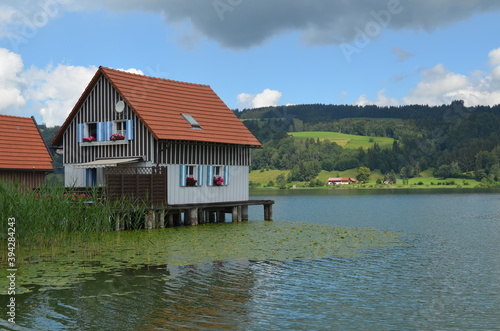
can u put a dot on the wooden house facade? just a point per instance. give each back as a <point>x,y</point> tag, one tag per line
<point>24,157</point>
<point>132,125</point>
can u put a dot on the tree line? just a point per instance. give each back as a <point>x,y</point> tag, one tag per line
<point>457,141</point>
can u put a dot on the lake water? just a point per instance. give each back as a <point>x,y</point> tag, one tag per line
<point>445,277</point>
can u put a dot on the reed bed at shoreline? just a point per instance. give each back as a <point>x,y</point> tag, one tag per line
<point>49,216</point>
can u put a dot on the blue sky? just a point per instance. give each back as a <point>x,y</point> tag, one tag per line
<point>253,53</point>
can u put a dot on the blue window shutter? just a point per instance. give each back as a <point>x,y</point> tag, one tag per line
<point>108,130</point>
<point>130,130</point>
<point>210,175</point>
<point>80,131</point>
<point>200,175</point>
<point>226,175</point>
<point>100,131</point>
<point>182,176</point>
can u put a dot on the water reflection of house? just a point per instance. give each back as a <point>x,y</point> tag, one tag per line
<point>341,180</point>
<point>24,157</point>
<point>171,142</point>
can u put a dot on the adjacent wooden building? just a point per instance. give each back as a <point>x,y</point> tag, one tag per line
<point>175,143</point>
<point>24,157</point>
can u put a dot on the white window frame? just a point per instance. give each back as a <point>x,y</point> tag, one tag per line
<point>87,130</point>
<point>191,171</point>
<point>219,171</point>
<point>121,131</point>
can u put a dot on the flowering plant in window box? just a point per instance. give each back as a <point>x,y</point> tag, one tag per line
<point>116,136</point>
<point>190,181</point>
<point>218,181</point>
<point>89,139</point>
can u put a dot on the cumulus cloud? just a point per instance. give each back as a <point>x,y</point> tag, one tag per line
<point>11,81</point>
<point>53,91</point>
<point>246,23</point>
<point>266,98</point>
<point>439,85</point>
<point>495,57</point>
<point>47,93</point>
<point>382,100</point>
<point>132,71</point>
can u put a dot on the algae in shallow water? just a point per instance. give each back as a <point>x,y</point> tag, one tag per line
<point>81,257</point>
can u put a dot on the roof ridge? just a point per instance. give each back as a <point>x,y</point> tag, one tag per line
<point>15,116</point>
<point>151,77</point>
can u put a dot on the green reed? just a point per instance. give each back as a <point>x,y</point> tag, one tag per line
<point>51,215</point>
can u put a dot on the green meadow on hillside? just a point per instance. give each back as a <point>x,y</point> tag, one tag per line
<point>345,140</point>
<point>425,181</point>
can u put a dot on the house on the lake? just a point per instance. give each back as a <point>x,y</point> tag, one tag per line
<point>341,180</point>
<point>24,157</point>
<point>178,141</point>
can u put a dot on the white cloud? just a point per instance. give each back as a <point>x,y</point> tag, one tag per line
<point>382,100</point>
<point>53,91</point>
<point>495,57</point>
<point>132,71</point>
<point>439,86</point>
<point>11,82</point>
<point>266,98</point>
<point>47,93</point>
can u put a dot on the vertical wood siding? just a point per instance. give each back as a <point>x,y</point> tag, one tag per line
<point>237,190</point>
<point>182,152</point>
<point>25,179</point>
<point>99,107</point>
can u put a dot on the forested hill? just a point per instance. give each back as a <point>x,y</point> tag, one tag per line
<point>270,122</point>
<point>455,140</point>
<point>316,113</point>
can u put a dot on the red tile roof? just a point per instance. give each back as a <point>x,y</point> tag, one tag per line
<point>160,102</point>
<point>22,146</point>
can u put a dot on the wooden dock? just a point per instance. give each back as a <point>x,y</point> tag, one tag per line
<point>195,214</point>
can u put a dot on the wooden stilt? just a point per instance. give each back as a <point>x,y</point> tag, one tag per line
<point>118,222</point>
<point>235,214</point>
<point>268,212</point>
<point>193,216</point>
<point>150,217</point>
<point>161,220</point>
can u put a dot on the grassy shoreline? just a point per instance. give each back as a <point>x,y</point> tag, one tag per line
<point>261,179</point>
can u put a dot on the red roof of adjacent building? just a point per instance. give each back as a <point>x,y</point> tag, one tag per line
<point>22,145</point>
<point>160,103</point>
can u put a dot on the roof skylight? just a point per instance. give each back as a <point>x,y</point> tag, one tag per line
<point>190,119</point>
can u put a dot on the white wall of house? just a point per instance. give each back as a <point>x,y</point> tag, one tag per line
<point>77,177</point>
<point>236,190</point>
